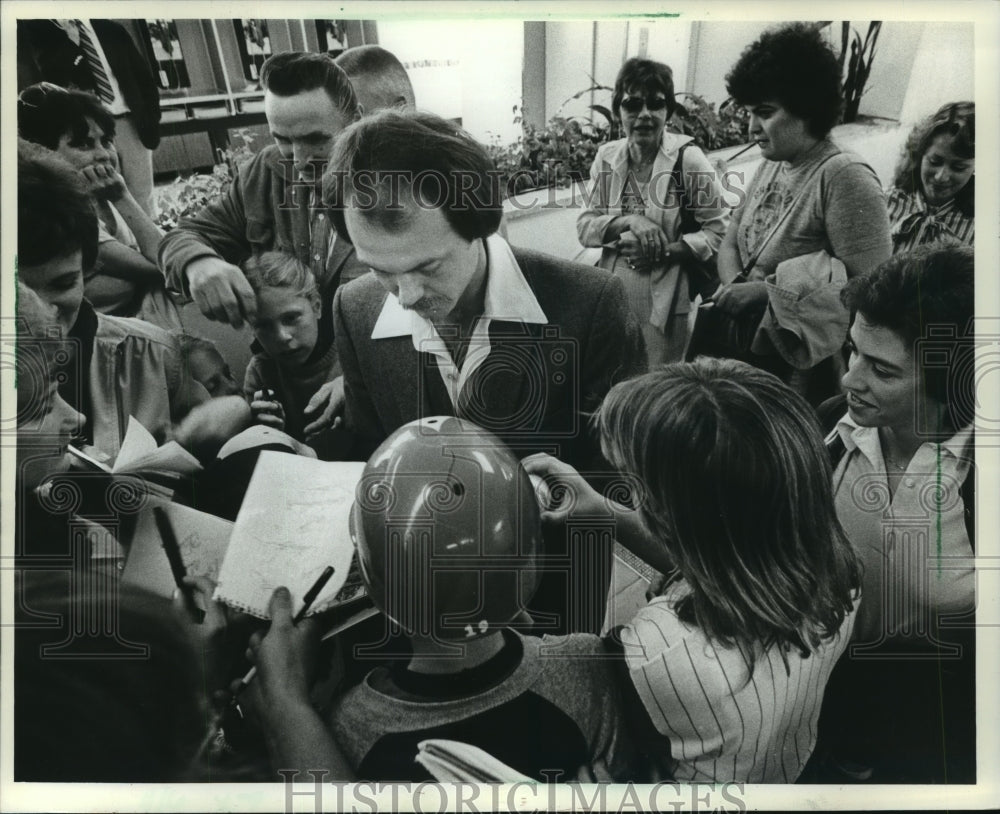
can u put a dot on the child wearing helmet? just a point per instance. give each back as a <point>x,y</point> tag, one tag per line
<point>448,536</point>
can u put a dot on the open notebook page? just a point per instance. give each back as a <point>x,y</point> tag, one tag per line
<point>294,522</point>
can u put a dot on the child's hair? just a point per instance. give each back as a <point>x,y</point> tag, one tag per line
<point>217,379</point>
<point>56,215</point>
<point>189,343</point>
<point>281,270</point>
<point>738,488</point>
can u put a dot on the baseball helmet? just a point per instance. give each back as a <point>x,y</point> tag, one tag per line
<point>447,530</point>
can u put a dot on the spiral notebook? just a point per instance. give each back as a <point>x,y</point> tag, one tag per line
<point>294,522</point>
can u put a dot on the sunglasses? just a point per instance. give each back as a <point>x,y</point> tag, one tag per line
<point>634,104</point>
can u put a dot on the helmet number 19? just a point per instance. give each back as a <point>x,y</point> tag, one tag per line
<point>481,627</point>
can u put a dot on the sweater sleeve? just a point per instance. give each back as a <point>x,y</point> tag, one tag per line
<point>856,218</point>
<point>218,230</point>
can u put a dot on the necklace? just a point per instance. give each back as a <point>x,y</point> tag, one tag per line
<point>891,461</point>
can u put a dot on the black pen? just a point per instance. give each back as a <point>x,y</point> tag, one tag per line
<point>307,601</point>
<point>173,551</point>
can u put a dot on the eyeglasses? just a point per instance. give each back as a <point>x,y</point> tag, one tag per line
<point>634,104</point>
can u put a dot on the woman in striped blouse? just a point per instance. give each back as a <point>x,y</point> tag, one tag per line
<point>731,660</point>
<point>934,194</point>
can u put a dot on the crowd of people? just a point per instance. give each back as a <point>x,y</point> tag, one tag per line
<point>805,490</point>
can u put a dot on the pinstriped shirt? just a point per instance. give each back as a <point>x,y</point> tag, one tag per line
<point>913,223</point>
<point>724,723</point>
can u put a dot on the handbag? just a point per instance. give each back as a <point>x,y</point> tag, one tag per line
<point>722,335</point>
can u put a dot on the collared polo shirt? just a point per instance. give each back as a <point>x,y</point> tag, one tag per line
<point>914,544</point>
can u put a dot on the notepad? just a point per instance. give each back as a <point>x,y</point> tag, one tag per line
<point>455,762</point>
<point>294,522</point>
<point>202,539</point>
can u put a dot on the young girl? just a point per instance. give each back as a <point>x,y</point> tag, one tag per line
<point>297,354</point>
<point>731,659</point>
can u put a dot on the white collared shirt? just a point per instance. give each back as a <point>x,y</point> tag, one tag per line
<point>914,544</point>
<point>117,106</point>
<point>509,298</point>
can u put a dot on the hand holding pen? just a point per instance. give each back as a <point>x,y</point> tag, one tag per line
<point>283,637</point>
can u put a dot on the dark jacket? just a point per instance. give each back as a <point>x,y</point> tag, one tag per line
<point>537,388</point>
<point>46,54</point>
<point>261,211</point>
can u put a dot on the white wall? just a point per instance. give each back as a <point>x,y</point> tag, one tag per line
<point>473,69</point>
<point>716,46</point>
<point>571,59</point>
<point>463,69</point>
<point>567,67</point>
<point>917,66</point>
<point>892,69</point>
<point>666,40</point>
<point>943,70</point>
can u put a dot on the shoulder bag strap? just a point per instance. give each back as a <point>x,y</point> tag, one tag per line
<point>689,223</point>
<point>781,219</point>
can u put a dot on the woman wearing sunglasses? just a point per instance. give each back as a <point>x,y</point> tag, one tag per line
<point>653,237</point>
<point>807,196</point>
<point>934,192</point>
<point>126,280</point>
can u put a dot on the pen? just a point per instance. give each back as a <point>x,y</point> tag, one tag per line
<point>173,551</point>
<point>307,601</point>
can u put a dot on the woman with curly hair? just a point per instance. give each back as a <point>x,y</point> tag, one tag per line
<point>731,659</point>
<point>653,239</point>
<point>933,197</point>
<point>809,195</point>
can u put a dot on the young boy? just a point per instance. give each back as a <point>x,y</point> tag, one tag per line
<point>296,353</point>
<point>448,534</point>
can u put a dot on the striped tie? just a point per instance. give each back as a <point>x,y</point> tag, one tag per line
<point>104,91</point>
